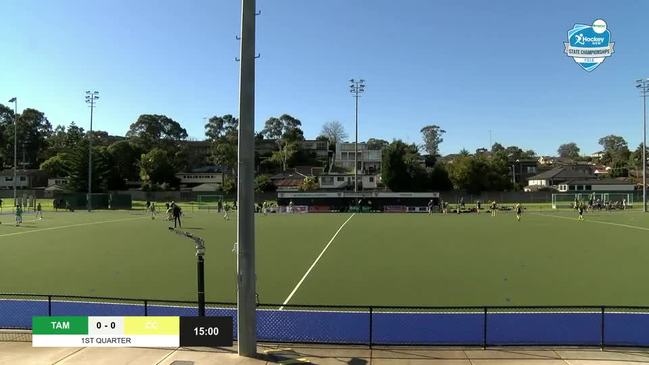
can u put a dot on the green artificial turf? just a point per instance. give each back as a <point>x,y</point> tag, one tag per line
<point>549,258</point>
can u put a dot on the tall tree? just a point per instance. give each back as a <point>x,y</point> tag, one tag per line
<point>223,132</point>
<point>615,149</point>
<point>402,170</point>
<point>125,157</point>
<point>334,132</point>
<point>569,150</point>
<point>156,169</point>
<point>285,131</point>
<point>33,130</point>
<point>153,130</point>
<point>76,164</point>
<point>432,135</point>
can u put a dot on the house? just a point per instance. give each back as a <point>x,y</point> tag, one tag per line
<point>319,148</point>
<point>60,181</point>
<point>25,179</point>
<point>597,155</point>
<point>288,180</point>
<point>546,160</point>
<point>601,185</point>
<point>552,178</point>
<point>343,181</point>
<point>211,175</point>
<point>522,170</point>
<point>369,160</point>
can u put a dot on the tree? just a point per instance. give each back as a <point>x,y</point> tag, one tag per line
<point>76,166</point>
<point>377,144</point>
<point>615,149</point>
<point>569,150</point>
<point>497,147</point>
<point>402,170</point>
<point>263,184</point>
<point>56,166</point>
<point>309,184</point>
<point>286,132</point>
<point>439,179</point>
<point>223,132</point>
<point>334,133</point>
<point>153,130</point>
<point>432,135</point>
<point>33,130</point>
<point>125,157</point>
<point>156,169</point>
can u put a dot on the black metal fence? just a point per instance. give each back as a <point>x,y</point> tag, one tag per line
<point>597,326</point>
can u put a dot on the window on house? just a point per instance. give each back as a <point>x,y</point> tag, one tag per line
<point>9,178</point>
<point>340,178</point>
<point>372,179</point>
<point>589,187</point>
<point>23,178</point>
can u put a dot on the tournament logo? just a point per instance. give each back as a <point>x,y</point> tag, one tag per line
<point>589,45</point>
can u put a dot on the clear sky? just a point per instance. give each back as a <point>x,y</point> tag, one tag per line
<point>468,66</point>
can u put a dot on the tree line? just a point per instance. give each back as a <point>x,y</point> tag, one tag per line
<point>155,148</point>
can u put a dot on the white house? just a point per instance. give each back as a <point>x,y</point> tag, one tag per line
<point>603,185</point>
<point>369,160</point>
<point>198,178</point>
<point>344,181</point>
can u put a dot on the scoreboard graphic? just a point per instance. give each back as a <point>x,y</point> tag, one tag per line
<point>80,331</point>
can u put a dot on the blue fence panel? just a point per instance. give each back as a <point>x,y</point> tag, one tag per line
<point>534,328</point>
<point>73,308</point>
<point>626,329</point>
<point>18,313</point>
<point>313,326</point>
<point>394,328</point>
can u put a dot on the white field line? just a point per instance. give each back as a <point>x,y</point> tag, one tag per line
<point>595,221</point>
<point>69,226</point>
<point>315,262</point>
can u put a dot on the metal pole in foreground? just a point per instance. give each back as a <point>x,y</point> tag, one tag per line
<point>200,267</point>
<point>246,286</point>
<point>15,100</point>
<point>643,86</point>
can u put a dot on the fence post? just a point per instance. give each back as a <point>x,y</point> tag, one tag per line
<point>371,325</point>
<point>146,307</point>
<point>49,305</point>
<point>602,331</point>
<point>484,330</point>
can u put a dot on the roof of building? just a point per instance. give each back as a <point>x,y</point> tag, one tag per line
<point>21,172</point>
<point>566,172</point>
<point>601,182</point>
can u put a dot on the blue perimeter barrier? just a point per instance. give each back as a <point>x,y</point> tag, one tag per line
<point>475,326</point>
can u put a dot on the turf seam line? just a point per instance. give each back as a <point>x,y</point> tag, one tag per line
<point>69,226</point>
<point>315,262</point>
<point>595,221</point>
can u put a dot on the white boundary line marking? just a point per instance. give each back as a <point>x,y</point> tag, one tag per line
<point>315,262</point>
<point>69,226</point>
<point>594,221</point>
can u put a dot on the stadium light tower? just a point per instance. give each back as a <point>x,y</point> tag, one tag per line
<point>15,101</point>
<point>91,98</point>
<point>643,86</point>
<point>357,87</point>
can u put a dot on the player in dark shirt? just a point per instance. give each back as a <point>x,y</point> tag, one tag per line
<point>580,210</point>
<point>519,211</point>
<point>176,212</point>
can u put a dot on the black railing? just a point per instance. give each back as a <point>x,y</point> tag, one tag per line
<point>482,326</point>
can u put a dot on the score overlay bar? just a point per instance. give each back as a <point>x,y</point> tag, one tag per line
<point>78,331</point>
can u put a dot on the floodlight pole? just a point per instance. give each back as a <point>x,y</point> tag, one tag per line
<point>246,286</point>
<point>91,98</point>
<point>15,101</point>
<point>199,244</point>
<point>357,87</point>
<point>643,86</point>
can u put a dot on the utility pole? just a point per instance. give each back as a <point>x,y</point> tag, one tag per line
<point>246,276</point>
<point>15,101</point>
<point>643,86</point>
<point>357,88</point>
<point>91,98</point>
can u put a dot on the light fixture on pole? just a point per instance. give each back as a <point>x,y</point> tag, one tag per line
<point>91,98</point>
<point>357,87</point>
<point>643,86</point>
<point>15,101</point>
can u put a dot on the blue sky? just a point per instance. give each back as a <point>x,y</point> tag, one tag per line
<point>468,66</point>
